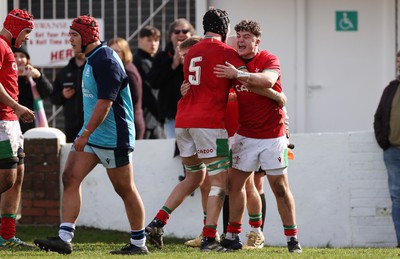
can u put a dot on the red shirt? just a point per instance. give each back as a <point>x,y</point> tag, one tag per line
<point>205,103</point>
<point>8,78</point>
<point>259,116</point>
<point>232,114</point>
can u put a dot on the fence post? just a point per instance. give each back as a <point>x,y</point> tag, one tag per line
<point>41,192</point>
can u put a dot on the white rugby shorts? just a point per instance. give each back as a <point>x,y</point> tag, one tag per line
<point>249,154</point>
<point>11,137</point>
<point>207,143</point>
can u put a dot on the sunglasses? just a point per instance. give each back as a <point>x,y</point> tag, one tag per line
<point>179,31</point>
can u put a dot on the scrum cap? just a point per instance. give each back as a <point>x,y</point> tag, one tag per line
<point>216,21</point>
<point>17,21</point>
<point>87,27</point>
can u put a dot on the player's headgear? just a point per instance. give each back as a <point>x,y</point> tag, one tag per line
<point>17,21</point>
<point>87,27</point>
<point>216,21</point>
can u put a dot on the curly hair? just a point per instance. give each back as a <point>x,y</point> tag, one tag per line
<point>250,26</point>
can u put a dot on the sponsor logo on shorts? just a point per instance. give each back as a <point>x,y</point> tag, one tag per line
<point>205,151</point>
<point>236,159</point>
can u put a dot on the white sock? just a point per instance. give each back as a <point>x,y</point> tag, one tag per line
<point>231,236</point>
<point>138,242</point>
<point>66,232</point>
<point>256,230</point>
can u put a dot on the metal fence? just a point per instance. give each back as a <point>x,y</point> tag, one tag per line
<point>122,18</point>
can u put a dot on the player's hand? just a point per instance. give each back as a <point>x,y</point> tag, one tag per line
<point>185,87</point>
<point>80,143</point>
<point>227,71</point>
<point>24,114</point>
<point>232,97</point>
<point>281,99</point>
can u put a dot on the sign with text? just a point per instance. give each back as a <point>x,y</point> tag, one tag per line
<point>49,44</point>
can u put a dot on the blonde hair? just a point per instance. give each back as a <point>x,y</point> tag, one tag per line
<point>127,56</point>
<point>189,42</point>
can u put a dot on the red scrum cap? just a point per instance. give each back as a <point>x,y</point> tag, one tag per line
<point>17,21</point>
<point>87,27</point>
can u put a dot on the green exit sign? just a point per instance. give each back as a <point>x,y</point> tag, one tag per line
<point>346,20</point>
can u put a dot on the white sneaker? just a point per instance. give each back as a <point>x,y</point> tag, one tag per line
<point>254,241</point>
<point>197,241</point>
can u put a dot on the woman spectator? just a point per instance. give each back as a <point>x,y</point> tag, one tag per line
<point>121,47</point>
<point>26,70</point>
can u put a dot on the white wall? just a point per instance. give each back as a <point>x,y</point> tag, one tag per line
<point>338,180</point>
<point>325,73</point>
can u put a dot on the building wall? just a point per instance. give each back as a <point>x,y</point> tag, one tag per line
<point>339,182</point>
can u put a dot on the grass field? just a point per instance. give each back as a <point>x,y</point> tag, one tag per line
<point>94,243</point>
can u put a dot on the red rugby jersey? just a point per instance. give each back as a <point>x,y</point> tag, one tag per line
<point>205,103</point>
<point>8,78</point>
<point>259,116</point>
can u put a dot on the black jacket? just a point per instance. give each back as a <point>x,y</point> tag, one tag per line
<point>382,115</point>
<point>70,76</point>
<point>25,96</point>
<point>143,62</point>
<point>169,82</point>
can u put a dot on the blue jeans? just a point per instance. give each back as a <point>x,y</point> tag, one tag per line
<point>169,128</point>
<point>391,156</point>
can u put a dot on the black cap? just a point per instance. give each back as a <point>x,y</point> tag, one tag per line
<point>23,49</point>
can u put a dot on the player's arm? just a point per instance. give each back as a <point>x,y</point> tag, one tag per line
<point>266,79</point>
<point>99,114</point>
<point>260,83</point>
<point>25,114</point>
<point>270,93</point>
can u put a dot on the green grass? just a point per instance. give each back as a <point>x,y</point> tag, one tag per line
<point>95,243</point>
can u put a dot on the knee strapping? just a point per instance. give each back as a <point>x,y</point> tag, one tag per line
<point>218,166</point>
<point>217,191</point>
<point>9,163</point>
<point>195,168</point>
<point>21,156</point>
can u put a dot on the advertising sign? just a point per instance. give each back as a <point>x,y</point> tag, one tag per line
<point>49,44</point>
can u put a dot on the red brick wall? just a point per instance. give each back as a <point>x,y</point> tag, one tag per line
<point>41,187</point>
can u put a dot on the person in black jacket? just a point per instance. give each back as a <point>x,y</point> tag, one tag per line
<point>68,93</point>
<point>166,74</point>
<point>149,41</point>
<point>387,133</point>
<point>25,70</point>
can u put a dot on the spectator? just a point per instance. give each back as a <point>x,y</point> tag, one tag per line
<point>68,93</point>
<point>387,133</point>
<point>26,70</point>
<point>166,74</point>
<point>149,41</point>
<point>121,46</point>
